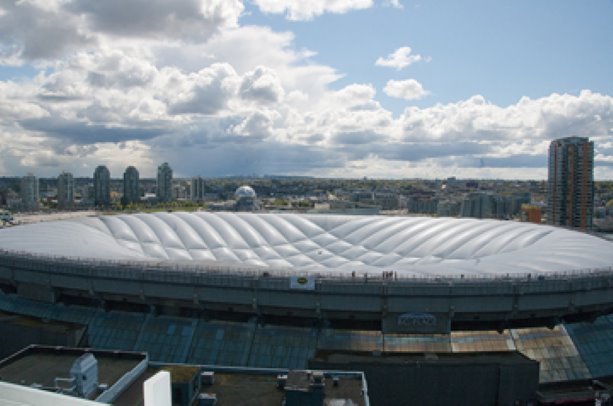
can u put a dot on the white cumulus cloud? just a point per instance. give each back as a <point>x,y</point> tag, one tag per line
<point>409,89</point>
<point>190,20</point>
<point>400,58</point>
<point>263,85</point>
<point>256,124</point>
<point>307,10</point>
<point>356,94</point>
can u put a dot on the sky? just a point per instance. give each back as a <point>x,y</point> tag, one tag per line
<point>337,88</point>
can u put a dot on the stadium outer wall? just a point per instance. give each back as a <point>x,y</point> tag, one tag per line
<point>412,305</point>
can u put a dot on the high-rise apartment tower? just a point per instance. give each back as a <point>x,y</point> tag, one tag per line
<point>164,184</point>
<point>65,191</point>
<point>131,187</point>
<point>102,186</point>
<point>570,188</point>
<point>197,189</point>
<point>29,192</point>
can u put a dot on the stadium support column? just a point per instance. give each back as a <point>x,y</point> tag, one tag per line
<point>384,307</point>
<point>321,318</point>
<point>255,284</point>
<point>383,299</point>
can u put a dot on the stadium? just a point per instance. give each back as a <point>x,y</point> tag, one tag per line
<point>269,290</point>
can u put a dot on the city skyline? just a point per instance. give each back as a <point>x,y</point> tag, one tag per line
<point>236,88</point>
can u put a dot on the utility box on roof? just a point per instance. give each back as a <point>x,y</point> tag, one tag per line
<point>84,371</point>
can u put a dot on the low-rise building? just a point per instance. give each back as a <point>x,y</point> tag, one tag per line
<point>84,376</point>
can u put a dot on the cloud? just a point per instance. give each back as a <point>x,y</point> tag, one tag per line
<point>116,156</point>
<point>546,118</point>
<point>17,101</point>
<point>84,132</point>
<point>356,138</point>
<point>393,3</point>
<point>264,157</point>
<point>514,161</point>
<point>113,68</point>
<point>418,151</point>
<point>204,92</point>
<point>124,96</point>
<point>360,146</point>
<point>356,94</point>
<point>44,30</point>
<point>307,10</point>
<point>261,85</point>
<point>32,30</point>
<point>400,59</point>
<point>187,84</point>
<point>190,20</point>
<point>409,89</point>
<point>256,124</point>
<point>248,48</point>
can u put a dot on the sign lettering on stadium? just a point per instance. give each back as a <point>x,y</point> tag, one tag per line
<point>416,320</point>
<point>302,282</point>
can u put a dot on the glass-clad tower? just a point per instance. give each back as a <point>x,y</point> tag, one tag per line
<point>102,186</point>
<point>164,183</point>
<point>570,188</point>
<point>131,187</point>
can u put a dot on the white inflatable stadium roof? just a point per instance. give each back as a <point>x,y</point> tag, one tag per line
<point>322,243</point>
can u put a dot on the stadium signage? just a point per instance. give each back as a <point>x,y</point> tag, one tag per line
<point>417,320</point>
<point>302,282</point>
<point>416,323</point>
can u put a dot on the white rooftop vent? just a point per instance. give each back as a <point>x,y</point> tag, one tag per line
<point>207,378</point>
<point>281,381</point>
<point>340,402</point>
<point>207,399</point>
<point>84,371</point>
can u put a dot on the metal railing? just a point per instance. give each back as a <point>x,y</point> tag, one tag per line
<point>191,272</point>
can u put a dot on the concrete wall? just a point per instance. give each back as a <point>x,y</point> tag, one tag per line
<point>515,301</point>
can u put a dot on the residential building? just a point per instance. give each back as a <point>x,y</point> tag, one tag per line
<point>480,205</point>
<point>56,375</point>
<point>181,190</point>
<point>29,192</point>
<point>65,191</point>
<point>570,189</point>
<point>492,205</point>
<point>448,208</point>
<point>531,213</point>
<point>197,189</point>
<point>422,204</point>
<point>164,183</point>
<point>102,187</point>
<point>131,188</point>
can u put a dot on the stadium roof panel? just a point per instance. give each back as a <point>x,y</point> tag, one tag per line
<point>320,243</point>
